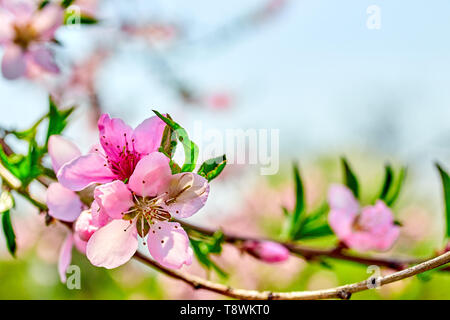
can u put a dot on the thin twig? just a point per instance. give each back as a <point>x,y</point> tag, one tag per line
<point>342,292</point>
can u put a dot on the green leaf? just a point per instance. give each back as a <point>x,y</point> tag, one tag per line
<point>9,233</point>
<point>67,3</point>
<point>388,177</point>
<point>446,189</point>
<point>57,119</point>
<point>395,190</point>
<point>168,141</point>
<point>350,179</point>
<point>202,250</point>
<point>294,225</point>
<point>190,148</point>
<point>210,169</point>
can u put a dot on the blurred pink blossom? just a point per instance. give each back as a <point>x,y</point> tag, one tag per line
<point>266,251</point>
<point>371,228</point>
<point>25,35</point>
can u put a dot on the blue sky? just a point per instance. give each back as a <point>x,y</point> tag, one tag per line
<point>315,71</point>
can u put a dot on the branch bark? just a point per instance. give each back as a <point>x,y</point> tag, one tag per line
<point>342,292</point>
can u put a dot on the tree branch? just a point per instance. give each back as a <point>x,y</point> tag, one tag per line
<point>342,292</point>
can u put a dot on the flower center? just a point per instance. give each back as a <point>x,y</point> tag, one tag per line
<point>121,159</point>
<point>24,35</point>
<point>145,211</point>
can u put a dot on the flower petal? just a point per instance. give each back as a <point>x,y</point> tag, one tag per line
<point>44,58</point>
<point>341,222</point>
<point>46,21</point>
<point>341,198</point>
<point>79,243</point>
<point>61,151</point>
<point>148,135</point>
<point>65,257</point>
<point>114,135</point>
<point>112,245</point>
<point>85,226</point>
<point>151,176</point>
<point>13,63</point>
<point>189,192</point>
<point>63,204</point>
<point>114,198</point>
<point>168,244</point>
<point>6,27</point>
<point>83,171</point>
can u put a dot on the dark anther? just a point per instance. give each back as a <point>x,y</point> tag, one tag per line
<point>270,296</point>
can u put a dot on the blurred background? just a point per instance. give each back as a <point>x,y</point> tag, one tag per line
<point>312,69</point>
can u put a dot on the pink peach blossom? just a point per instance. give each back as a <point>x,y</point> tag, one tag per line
<point>267,251</point>
<point>115,158</point>
<point>369,228</point>
<point>144,207</point>
<point>25,35</point>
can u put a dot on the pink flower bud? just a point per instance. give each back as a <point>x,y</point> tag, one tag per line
<point>84,226</point>
<point>266,251</point>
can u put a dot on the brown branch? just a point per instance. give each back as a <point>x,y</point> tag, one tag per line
<point>342,292</point>
<point>310,253</point>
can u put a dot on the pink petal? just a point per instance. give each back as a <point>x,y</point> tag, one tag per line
<point>114,135</point>
<point>79,244</point>
<point>341,198</point>
<point>13,63</point>
<point>63,204</point>
<point>151,176</point>
<point>84,171</point>
<point>46,21</point>
<point>341,222</point>
<point>148,135</point>
<point>65,257</point>
<point>44,58</point>
<point>61,151</point>
<point>112,245</point>
<point>114,198</point>
<point>85,226</point>
<point>99,217</point>
<point>168,244</point>
<point>190,192</point>
<point>6,29</point>
<point>378,218</point>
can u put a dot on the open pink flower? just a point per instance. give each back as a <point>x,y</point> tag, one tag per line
<point>25,33</point>
<point>144,207</point>
<point>267,251</point>
<point>371,228</point>
<point>115,158</point>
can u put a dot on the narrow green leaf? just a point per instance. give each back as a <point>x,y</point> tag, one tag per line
<point>57,119</point>
<point>210,169</point>
<point>446,189</point>
<point>190,148</point>
<point>395,190</point>
<point>350,179</point>
<point>388,177</point>
<point>295,223</point>
<point>9,233</point>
